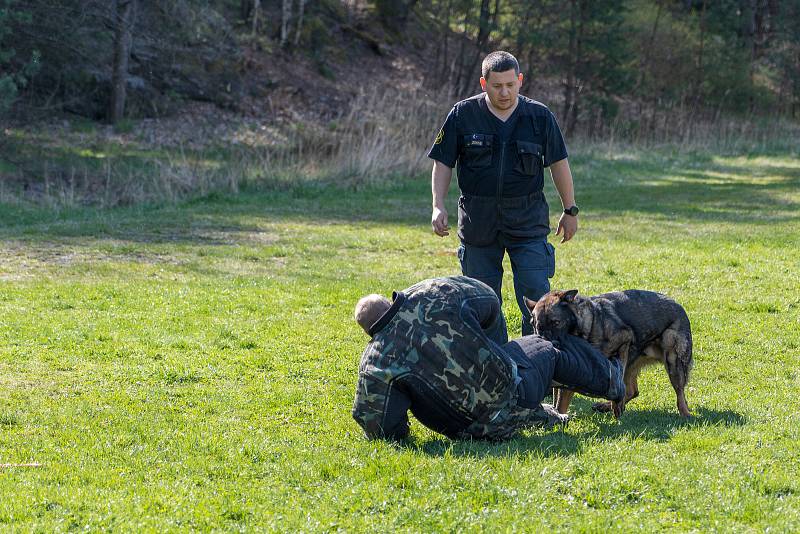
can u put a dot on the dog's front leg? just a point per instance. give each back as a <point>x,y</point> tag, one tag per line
<point>623,351</point>
<point>562,398</point>
<point>618,342</point>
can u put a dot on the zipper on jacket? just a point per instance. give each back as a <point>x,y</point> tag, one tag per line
<point>500,178</point>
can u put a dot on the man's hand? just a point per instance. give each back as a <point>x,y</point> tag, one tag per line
<point>568,226</point>
<point>440,182</point>
<point>562,178</point>
<point>439,222</point>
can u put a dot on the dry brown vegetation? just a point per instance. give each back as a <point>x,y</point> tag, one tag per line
<point>383,134</point>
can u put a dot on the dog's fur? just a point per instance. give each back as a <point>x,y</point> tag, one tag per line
<point>641,327</point>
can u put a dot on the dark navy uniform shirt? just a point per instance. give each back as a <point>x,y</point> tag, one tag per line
<point>491,163</point>
<point>500,167</point>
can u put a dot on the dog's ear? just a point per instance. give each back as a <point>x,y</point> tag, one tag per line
<point>529,303</point>
<point>569,296</point>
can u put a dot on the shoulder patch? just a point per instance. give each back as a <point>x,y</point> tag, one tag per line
<point>439,137</point>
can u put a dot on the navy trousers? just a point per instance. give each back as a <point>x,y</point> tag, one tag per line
<point>571,362</point>
<point>533,263</point>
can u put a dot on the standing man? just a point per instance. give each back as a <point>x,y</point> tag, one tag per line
<point>439,349</point>
<point>501,142</point>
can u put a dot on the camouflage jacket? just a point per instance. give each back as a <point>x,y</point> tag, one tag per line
<point>430,354</point>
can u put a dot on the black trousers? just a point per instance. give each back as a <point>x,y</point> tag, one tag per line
<point>571,362</point>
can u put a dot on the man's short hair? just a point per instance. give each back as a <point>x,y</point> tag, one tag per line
<point>498,61</point>
<point>369,309</point>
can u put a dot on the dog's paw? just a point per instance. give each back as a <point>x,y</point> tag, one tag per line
<point>618,408</point>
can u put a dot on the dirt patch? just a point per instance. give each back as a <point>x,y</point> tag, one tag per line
<point>16,257</point>
<point>20,260</point>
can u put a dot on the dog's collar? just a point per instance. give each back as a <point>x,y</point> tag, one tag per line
<point>398,297</point>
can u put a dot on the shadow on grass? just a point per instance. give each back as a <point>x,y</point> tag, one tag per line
<point>681,190</point>
<point>713,192</point>
<point>222,216</point>
<point>651,425</point>
<point>660,425</point>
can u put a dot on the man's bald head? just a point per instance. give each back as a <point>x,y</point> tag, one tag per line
<point>369,309</point>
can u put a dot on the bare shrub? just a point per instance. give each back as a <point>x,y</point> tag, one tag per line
<point>381,136</point>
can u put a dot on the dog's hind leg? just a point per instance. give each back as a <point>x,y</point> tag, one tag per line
<point>678,357</point>
<point>564,398</point>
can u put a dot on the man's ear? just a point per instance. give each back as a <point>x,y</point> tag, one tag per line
<point>529,303</point>
<point>520,78</point>
<point>483,83</point>
<point>569,296</point>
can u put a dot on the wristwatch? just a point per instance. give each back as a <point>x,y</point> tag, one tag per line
<point>572,210</point>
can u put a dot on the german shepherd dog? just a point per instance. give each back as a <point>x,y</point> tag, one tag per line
<point>641,327</point>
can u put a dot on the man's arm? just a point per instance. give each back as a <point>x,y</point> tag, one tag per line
<point>440,183</point>
<point>444,154</point>
<point>486,311</point>
<point>562,178</point>
<point>380,409</point>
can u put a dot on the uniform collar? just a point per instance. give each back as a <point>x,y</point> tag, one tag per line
<point>503,129</point>
<point>398,297</point>
<point>513,115</point>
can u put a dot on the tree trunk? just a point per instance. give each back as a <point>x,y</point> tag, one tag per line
<point>286,15</point>
<point>445,59</point>
<point>761,34</point>
<point>462,51</point>
<point>256,9</point>
<point>527,46</point>
<point>244,10</point>
<point>495,15</point>
<point>645,64</point>
<point>749,9</point>
<point>572,60</point>
<point>300,10</point>
<point>484,29</point>
<point>572,120</point>
<point>699,75</point>
<point>123,22</point>
<point>645,67</point>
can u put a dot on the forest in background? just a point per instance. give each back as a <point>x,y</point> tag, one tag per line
<point>104,59</point>
<point>359,86</point>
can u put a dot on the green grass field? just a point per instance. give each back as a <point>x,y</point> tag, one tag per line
<point>194,366</point>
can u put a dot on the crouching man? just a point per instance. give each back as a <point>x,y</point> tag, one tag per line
<point>441,350</point>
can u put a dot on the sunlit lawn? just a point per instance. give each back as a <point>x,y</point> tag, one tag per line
<point>193,367</point>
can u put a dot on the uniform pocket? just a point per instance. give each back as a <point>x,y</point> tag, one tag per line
<point>478,150</point>
<point>477,220</point>
<point>529,157</point>
<point>551,253</point>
